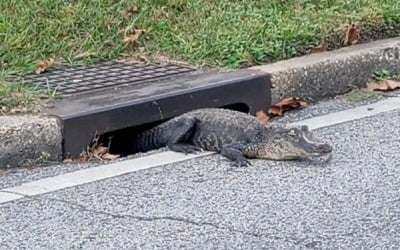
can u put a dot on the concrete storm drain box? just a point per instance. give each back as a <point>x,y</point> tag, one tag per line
<point>117,95</point>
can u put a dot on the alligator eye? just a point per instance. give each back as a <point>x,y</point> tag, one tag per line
<point>304,128</point>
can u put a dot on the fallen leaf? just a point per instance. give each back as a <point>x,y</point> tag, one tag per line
<point>95,151</point>
<point>130,10</point>
<point>322,47</point>
<point>81,158</point>
<point>286,104</point>
<point>44,65</point>
<point>108,156</point>
<point>262,116</point>
<point>84,54</point>
<point>384,85</point>
<point>133,36</point>
<point>352,35</point>
<point>100,151</point>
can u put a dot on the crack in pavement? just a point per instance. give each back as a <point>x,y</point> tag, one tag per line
<point>155,218</point>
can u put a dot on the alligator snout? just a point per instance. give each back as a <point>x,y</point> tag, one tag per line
<point>312,145</point>
<point>324,148</point>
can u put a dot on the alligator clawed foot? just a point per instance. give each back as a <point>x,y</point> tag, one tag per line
<point>242,163</point>
<point>192,150</point>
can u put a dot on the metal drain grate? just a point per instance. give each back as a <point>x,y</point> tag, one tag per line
<point>69,80</point>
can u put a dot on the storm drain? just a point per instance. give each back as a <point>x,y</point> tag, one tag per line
<point>68,80</point>
<point>121,98</point>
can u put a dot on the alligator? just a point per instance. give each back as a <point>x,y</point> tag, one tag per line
<point>236,135</point>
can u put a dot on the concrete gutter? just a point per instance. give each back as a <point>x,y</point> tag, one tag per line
<point>26,139</point>
<point>313,77</point>
<point>328,74</point>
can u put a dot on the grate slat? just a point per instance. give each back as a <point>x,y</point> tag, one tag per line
<point>70,80</point>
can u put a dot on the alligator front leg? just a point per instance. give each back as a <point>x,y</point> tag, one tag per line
<point>183,129</point>
<point>233,151</point>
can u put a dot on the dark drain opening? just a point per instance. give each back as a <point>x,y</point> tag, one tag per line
<point>121,141</point>
<point>242,107</point>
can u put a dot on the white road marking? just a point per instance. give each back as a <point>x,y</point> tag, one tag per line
<point>351,114</point>
<point>6,197</point>
<point>88,175</point>
<point>84,176</point>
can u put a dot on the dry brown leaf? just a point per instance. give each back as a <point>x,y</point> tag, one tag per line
<point>384,85</point>
<point>84,54</point>
<point>352,35</point>
<point>99,151</point>
<point>109,157</point>
<point>322,47</point>
<point>130,10</point>
<point>286,104</point>
<point>133,36</point>
<point>44,65</point>
<point>81,158</point>
<point>102,153</point>
<point>262,116</point>
<point>275,110</point>
<point>95,152</point>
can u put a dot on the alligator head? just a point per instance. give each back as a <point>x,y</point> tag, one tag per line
<point>292,144</point>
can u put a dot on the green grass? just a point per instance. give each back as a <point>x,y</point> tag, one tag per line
<point>207,33</point>
<point>22,97</point>
<point>380,75</point>
<point>212,33</point>
<point>235,33</point>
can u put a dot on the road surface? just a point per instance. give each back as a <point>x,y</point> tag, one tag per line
<point>164,200</point>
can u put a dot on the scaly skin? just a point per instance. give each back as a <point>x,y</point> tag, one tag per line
<point>234,134</point>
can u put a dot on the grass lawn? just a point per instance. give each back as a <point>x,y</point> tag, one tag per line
<point>17,97</point>
<point>212,33</point>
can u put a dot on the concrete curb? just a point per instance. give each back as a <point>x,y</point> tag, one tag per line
<point>27,139</point>
<point>331,73</point>
<point>312,77</point>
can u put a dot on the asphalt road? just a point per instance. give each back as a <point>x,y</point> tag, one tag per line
<point>351,202</point>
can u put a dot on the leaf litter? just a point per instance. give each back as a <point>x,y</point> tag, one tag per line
<point>131,10</point>
<point>280,108</point>
<point>43,65</point>
<point>352,35</point>
<point>95,152</point>
<point>263,117</point>
<point>132,36</point>
<point>384,85</point>
<point>322,47</point>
